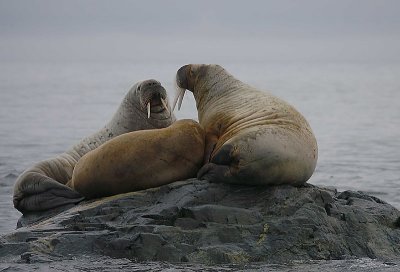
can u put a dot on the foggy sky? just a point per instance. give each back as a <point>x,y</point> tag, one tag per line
<point>325,30</point>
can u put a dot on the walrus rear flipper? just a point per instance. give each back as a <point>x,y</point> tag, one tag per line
<point>36,192</point>
<point>47,200</point>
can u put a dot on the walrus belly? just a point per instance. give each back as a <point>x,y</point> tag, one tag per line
<point>273,156</point>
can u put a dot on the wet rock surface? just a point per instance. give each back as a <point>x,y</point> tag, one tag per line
<point>203,225</point>
<point>108,264</point>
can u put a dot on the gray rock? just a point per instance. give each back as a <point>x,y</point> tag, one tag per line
<point>197,222</point>
<point>104,263</point>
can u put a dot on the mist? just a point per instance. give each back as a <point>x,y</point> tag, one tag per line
<point>203,31</point>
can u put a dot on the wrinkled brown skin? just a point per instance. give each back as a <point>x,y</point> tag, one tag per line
<point>42,186</point>
<point>252,137</point>
<point>140,160</point>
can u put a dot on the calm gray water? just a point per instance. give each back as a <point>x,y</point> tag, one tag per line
<point>45,107</point>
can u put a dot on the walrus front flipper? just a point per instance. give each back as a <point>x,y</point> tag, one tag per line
<point>37,192</point>
<point>215,173</point>
<point>222,168</point>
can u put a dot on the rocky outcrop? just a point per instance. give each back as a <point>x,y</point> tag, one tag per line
<point>198,222</point>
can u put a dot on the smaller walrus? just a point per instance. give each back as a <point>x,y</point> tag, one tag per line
<point>141,160</point>
<point>252,137</point>
<point>42,186</point>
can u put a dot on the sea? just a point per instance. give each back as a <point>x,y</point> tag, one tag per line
<point>352,107</point>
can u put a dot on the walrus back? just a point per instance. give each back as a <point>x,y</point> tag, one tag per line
<point>140,160</point>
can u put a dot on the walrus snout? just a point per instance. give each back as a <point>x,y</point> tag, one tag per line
<point>187,76</point>
<point>154,93</point>
<point>181,77</point>
<point>183,82</point>
<point>151,86</point>
<point>153,97</point>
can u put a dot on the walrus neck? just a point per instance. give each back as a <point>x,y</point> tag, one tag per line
<point>212,91</point>
<point>129,117</point>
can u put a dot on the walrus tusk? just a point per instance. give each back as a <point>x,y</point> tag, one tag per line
<point>179,95</point>
<point>181,99</point>
<point>176,99</point>
<point>165,106</point>
<point>148,110</point>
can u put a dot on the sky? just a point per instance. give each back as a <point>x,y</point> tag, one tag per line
<point>200,31</point>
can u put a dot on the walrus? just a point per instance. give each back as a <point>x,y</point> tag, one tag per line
<point>42,186</point>
<point>252,137</point>
<point>140,160</point>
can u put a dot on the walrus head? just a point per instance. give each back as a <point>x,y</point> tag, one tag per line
<point>190,76</point>
<point>152,97</point>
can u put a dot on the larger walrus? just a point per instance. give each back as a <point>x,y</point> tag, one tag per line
<point>42,186</point>
<point>252,137</point>
<point>140,160</point>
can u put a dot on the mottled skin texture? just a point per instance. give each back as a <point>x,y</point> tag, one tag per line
<point>252,137</point>
<point>141,160</point>
<point>42,186</point>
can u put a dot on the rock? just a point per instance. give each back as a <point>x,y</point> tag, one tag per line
<point>197,222</point>
<point>104,263</point>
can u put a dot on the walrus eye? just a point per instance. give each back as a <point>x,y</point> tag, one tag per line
<point>138,88</point>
